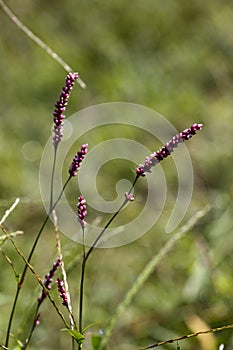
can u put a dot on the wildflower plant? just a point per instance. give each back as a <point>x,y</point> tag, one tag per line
<point>75,325</point>
<point>76,329</point>
<point>73,169</point>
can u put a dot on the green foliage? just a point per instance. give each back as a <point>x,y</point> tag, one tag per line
<point>76,335</point>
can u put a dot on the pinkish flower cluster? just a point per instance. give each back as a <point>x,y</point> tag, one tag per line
<point>167,149</point>
<point>82,210</point>
<point>60,107</point>
<point>49,279</point>
<point>77,160</point>
<point>62,291</point>
<point>129,197</point>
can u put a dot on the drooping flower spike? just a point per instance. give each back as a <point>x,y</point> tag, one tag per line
<point>167,149</point>
<point>82,210</point>
<point>60,107</point>
<point>48,280</point>
<point>77,160</point>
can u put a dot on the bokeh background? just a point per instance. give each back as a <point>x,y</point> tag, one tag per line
<point>172,56</point>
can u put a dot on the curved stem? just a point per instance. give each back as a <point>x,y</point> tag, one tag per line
<point>32,329</point>
<point>110,221</point>
<point>38,41</point>
<point>82,286</point>
<point>86,256</point>
<point>81,294</point>
<point>20,283</point>
<point>52,176</point>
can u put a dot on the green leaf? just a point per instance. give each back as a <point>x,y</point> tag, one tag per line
<point>79,337</point>
<point>89,326</point>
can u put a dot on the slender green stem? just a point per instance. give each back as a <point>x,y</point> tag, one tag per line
<point>86,255</point>
<point>52,176</point>
<point>32,329</point>
<point>20,283</point>
<point>64,274</point>
<point>40,282</point>
<point>81,294</point>
<point>82,285</point>
<point>213,330</point>
<point>110,221</point>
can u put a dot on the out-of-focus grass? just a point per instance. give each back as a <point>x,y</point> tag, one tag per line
<point>174,57</point>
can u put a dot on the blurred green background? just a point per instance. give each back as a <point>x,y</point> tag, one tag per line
<point>174,57</point>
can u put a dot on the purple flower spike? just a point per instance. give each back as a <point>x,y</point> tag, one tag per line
<point>62,291</point>
<point>77,160</point>
<point>82,210</point>
<point>49,279</point>
<point>167,149</point>
<point>60,107</point>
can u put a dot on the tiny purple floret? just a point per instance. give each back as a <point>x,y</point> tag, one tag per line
<point>77,160</point>
<point>60,107</point>
<point>167,149</point>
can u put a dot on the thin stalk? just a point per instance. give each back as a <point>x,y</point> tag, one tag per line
<point>38,279</point>
<point>85,256</point>
<point>81,295</point>
<point>27,341</point>
<point>110,221</point>
<point>82,285</point>
<point>213,330</point>
<point>38,41</point>
<point>20,283</point>
<point>64,274</point>
<point>52,176</point>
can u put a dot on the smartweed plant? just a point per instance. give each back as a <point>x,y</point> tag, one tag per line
<point>57,275</point>
<point>75,327</point>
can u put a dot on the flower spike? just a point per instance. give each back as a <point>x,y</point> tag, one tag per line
<point>167,149</point>
<point>77,160</point>
<point>49,279</point>
<point>60,107</point>
<point>82,210</point>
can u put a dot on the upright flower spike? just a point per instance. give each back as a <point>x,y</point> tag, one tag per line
<point>167,149</point>
<point>77,160</point>
<point>82,211</point>
<point>60,107</point>
<point>49,279</point>
<point>62,291</point>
